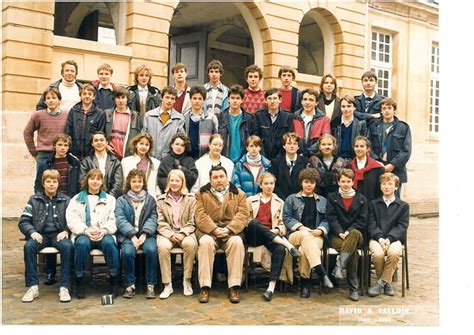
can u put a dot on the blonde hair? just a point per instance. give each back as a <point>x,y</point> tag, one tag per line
<point>52,174</point>
<point>180,174</point>
<point>265,176</point>
<point>389,176</point>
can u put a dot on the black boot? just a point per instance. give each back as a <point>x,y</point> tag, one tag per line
<point>353,282</point>
<point>305,288</point>
<point>80,289</point>
<point>341,264</point>
<point>113,286</point>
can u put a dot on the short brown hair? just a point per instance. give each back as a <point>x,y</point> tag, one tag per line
<point>346,173</point>
<point>310,174</point>
<point>390,102</point>
<point>184,138</point>
<point>253,68</point>
<point>105,67</point>
<point>369,74</point>
<point>253,139</point>
<point>363,138</point>
<point>311,92</point>
<point>87,87</point>
<point>290,136</point>
<point>90,174</point>
<point>69,62</point>
<point>323,137</point>
<point>62,137</point>
<point>141,68</point>
<point>120,91</point>
<point>50,173</point>
<point>178,66</point>
<point>286,68</point>
<point>389,176</point>
<point>53,90</point>
<point>131,174</point>
<point>349,98</point>
<point>215,64</point>
<point>170,90</point>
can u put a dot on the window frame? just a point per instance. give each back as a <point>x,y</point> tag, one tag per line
<point>378,65</point>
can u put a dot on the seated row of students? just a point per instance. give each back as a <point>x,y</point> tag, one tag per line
<point>219,216</point>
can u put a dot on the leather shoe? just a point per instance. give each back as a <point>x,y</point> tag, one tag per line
<point>204,295</point>
<point>305,292</point>
<point>50,279</point>
<point>234,295</point>
<point>268,295</point>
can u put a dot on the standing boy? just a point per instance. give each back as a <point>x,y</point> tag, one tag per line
<point>163,122</point>
<point>387,228</point>
<point>310,122</point>
<point>254,96</point>
<point>291,96</point>
<point>200,125</point>
<point>368,103</point>
<point>235,125</point>
<point>122,124</point>
<point>287,166</point>
<point>217,93</point>
<point>391,141</point>
<point>271,123</point>
<point>180,72</point>
<point>46,123</point>
<point>84,118</point>
<point>104,87</point>
<point>143,96</point>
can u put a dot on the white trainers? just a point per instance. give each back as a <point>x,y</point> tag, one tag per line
<point>187,287</point>
<point>64,295</point>
<point>31,294</point>
<point>167,291</point>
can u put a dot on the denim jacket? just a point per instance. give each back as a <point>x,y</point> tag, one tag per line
<point>293,212</point>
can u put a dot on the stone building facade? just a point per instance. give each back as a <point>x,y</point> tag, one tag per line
<point>397,39</point>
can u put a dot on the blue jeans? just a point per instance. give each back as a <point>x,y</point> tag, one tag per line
<point>31,250</point>
<point>83,246</point>
<point>151,260</point>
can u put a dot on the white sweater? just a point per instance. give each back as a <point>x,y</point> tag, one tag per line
<point>204,165</point>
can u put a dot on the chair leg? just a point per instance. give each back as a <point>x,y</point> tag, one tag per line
<point>403,275</point>
<point>405,257</point>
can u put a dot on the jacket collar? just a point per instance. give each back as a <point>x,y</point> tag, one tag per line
<point>41,195</point>
<point>82,196</point>
<point>232,188</point>
<point>300,195</point>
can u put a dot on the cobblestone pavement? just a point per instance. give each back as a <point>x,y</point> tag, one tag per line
<point>420,307</point>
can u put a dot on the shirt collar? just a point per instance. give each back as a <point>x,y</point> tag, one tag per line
<point>388,201</point>
<point>369,96</point>
<point>109,87</point>
<point>142,89</point>
<point>348,123</point>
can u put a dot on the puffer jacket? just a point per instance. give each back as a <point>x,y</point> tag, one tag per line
<point>113,177</point>
<point>125,218</point>
<point>398,145</point>
<point>80,127</point>
<point>242,176</point>
<point>293,212</point>
<point>33,218</point>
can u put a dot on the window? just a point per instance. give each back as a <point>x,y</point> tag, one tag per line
<point>434,90</point>
<point>381,61</point>
<point>310,47</point>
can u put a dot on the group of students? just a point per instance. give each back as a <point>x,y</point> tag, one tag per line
<point>209,167</point>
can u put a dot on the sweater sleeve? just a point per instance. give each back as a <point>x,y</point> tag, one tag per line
<point>29,132</point>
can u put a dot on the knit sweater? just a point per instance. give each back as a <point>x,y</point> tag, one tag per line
<point>253,100</point>
<point>47,126</point>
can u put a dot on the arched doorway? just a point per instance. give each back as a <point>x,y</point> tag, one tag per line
<point>198,36</point>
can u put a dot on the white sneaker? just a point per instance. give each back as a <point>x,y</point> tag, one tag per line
<point>167,291</point>
<point>187,287</point>
<point>31,294</point>
<point>64,295</point>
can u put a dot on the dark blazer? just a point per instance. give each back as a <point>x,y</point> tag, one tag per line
<point>272,133</point>
<point>388,222</point>
<point>370,186</point>
<point>341,220</point>
<point>246,129</point>
<point>287,183</point>
<point>113,172</point>
<point>73,171</point>
<point>398,145</point>
<point>364,112</point>
<point>170,162</point>
<point>359,127</point>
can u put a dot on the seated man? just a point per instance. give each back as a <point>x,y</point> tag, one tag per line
<point>387,227</point>
<point>304,215</point>
<point>221,215</point>
<point>43,223</point>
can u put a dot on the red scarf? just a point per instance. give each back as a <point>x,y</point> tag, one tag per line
<point>359,173</point>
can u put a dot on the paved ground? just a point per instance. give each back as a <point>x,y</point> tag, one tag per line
<point>420,307</point>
